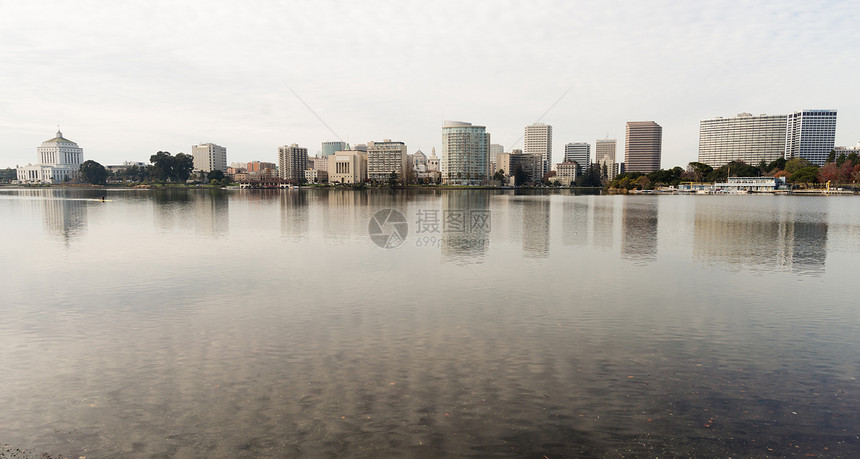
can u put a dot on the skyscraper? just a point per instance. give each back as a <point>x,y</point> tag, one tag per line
<point>810,134</point>
<point>209,157</point>
<point>465,153</point>
<point>495,151</point>
<point>642,146</point>
<point>746,138</point>
<point>292,162</point>
<point>538,141</point>
<point>579,152</point>
<point>328,148</point>
<point>604,154</point>
<point>386,157</point>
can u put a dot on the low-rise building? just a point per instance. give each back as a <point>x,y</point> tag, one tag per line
<point>347,167</point>
<point>566,173</point>
<point>316,176</point>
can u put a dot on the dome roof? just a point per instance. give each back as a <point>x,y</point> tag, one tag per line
<point>58,139</point>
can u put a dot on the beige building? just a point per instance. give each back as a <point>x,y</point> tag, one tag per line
<point>347,167</point>
<point>565,173</point>
<point>643,146</point>
<point>316,176</point>
<point>538,141</point>
<point>386,157</point>
<point>531,164</point>
<point>209,157</point>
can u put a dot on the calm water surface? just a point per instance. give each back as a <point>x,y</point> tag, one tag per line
<point>217,323</point>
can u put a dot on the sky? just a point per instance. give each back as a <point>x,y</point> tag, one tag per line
<point>127,79</point>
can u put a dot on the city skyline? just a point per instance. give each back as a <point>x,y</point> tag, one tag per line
<point>129,80</point>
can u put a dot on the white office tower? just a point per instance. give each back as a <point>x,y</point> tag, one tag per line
<point>747,138</point>
<point>810,134</point>
<point>578,152</point>
<point>292,162</point>
<point>385,158</point>
<point>538,141</point>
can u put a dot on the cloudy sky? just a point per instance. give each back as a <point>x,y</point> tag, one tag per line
<point>127,79</point>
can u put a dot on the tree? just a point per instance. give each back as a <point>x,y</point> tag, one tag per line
<point>171,168</point>
<point>8,174</point>
<point>500,175</point>
<point>182,166</point>
<point>93,172</point>
<point>215,175</point>
<point>392,179</point>
<point>795,164</point>
<point>520,176</point>
<point>805,175</point>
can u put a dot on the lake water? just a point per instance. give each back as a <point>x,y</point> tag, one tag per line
<point>192,323</point>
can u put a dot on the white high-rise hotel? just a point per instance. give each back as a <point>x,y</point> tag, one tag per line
<point>465,153</point>
<point>538,141</point>
<point>209,157</point>
<point>808,134</point>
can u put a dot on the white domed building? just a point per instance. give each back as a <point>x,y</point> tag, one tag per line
<point>59,161</point>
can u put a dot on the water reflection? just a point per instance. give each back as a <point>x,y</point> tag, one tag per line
<point>575,222</point>
<point>64,217</point>
<point>639,232</point>
<point>466,225</point>
<point>773,238</point>
<point>603,222</point>
<point>211,212</point>
<point>295,214</point>
<point>536,226</point>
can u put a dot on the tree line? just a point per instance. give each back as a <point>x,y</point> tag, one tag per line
<point>840,169</point>
<point>164,168</point>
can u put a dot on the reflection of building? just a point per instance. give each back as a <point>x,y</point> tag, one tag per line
<point>64,217</point>
<point>466,224</point>
<point>385,158</point>
<point>575,222</point>
<point>639,228</point>
<point>465,153</point>
<point>759,239</point>
<point>810,134</point>
<point>602,222</point>
<point>642,146</point>
<point>538,141</point>
<point>60,160</point>
<point>211,212</point>
<point>292,162</point>
<point>209,157</point>
<point>295,221</point>
<point>536,226</point>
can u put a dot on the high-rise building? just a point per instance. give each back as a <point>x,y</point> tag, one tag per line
<point>604,150</point>
<point>209,157</point>
<point>642,146</point>
<point>578,152</point>
<point>495,151</point>
<point>532,165</point>
<point>328,148</point>
<point>292,162</point>
<point>538,141</point>
<point>386,157</point>
<point>465,153</point>
<point>746,138</point>
<point>810,134</point>
<point>60,160</point>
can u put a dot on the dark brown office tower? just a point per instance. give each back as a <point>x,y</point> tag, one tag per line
<point>642,146</point>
